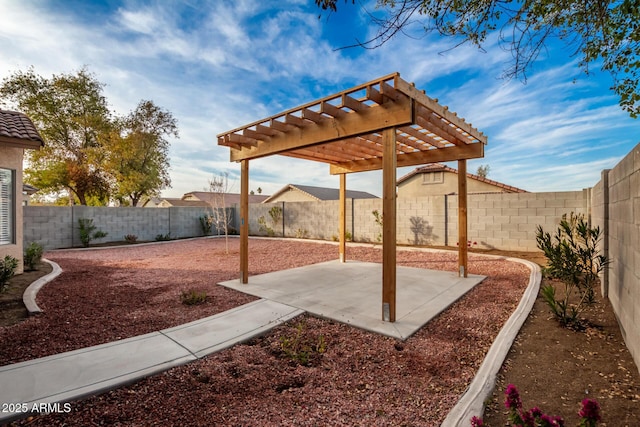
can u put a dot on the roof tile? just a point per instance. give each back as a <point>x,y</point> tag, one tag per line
<point>17,125</point>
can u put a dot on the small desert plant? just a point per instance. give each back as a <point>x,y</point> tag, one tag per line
<point>574,259</point>
<point>8,267</point>
<point>264,228</point>
<point>378,217</point>
<point>302,233</point>
<point>302,348</point>
<point>206,224</point>
<point>130,238</point>
<point>193,297</point>
<point>88,231</point>
<point>163,237</point>
<point>347,237</point>
<point>276,214</point>
<point>32,256</point>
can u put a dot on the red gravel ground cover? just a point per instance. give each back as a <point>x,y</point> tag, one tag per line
<point>359,378</point>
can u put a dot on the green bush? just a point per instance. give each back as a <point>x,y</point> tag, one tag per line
<point>88,231</point>
<point>8,267</point>
<point>574,259</point>
<point>163,237</point>
<point>32,256</point>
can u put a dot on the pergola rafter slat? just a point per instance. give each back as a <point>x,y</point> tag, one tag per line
<point>382,124</point>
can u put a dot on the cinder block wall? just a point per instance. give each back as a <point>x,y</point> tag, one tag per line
<point>622,184</point>
<point>508,221</point>
<point>57,226</point>
<point>501,221</point>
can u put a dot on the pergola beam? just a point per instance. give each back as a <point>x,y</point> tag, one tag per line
<point>370,120</point>
<point>447,154</point>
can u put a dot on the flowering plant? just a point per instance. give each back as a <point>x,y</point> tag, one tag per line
<point>534,417</point>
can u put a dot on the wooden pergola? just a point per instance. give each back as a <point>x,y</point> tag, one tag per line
<point>383,124</point>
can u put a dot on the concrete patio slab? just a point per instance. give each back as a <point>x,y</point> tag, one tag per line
<point>352,293</point>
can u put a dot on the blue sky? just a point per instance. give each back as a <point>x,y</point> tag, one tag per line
<point>217,65</point>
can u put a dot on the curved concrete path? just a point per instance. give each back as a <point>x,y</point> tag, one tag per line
<point>89,371</point>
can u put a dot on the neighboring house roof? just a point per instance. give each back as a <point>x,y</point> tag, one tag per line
<point>29,189</point>
<point>321,193</point>
<point>437,167</point>
<point>17,130</point>
<point>230,199</point>
<point>183,203</point>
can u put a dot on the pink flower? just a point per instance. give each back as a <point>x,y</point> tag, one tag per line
<point>590,412</point>
<point>513,398</point>
<point>476,422</point>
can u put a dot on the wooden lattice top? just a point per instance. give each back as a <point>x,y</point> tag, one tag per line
<point>344,129</point>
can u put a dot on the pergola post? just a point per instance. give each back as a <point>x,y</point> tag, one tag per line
<point>389,161</point>
<point>343,216</point>
<point>462,218</point>
<point>244,221</point>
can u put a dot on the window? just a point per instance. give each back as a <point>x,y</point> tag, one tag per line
<point>433,178</point>
<point>7,207</point>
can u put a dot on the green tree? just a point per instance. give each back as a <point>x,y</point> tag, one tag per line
<point>72,116</point>
<point>606,33</point>
<point>139,153</point>
<point>90,154</point>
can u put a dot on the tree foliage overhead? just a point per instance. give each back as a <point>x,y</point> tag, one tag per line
<point>602,33</point>
<point>88,152</point>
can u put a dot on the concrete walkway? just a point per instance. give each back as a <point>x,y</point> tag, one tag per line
<point>88,371</point>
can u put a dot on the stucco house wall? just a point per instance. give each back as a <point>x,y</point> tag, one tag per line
<point>418,186</point>
<point>11,158</point>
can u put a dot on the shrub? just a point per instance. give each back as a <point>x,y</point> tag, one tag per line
<point>206,223</point>
<point>378,217</point>
<point>264,228</point>
<point>88,231</point>
<point>163,237</point>
<point>8,267</point>
<point>130,238</point>
<point>276,214</point>
<point>302,348</point>
<point>193,297</point>
<point>302,233</point>
<point>32,256</point>
<point>574,259</point>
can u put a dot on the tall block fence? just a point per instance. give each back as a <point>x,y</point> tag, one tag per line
<point>616,210</point>
<point>495,221</point>
<point>57,227</point>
